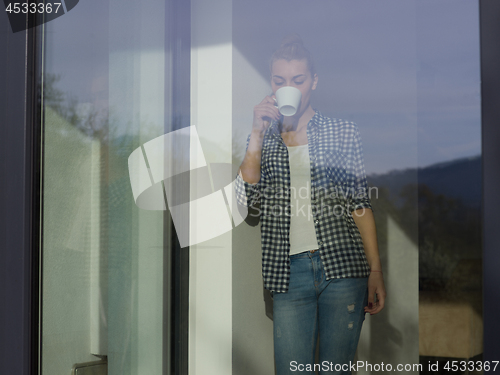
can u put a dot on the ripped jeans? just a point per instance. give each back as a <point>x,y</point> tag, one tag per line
<point>332,309</point>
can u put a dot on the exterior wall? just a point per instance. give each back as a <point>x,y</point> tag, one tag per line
<point>210,273</point>
<point>252,329</point>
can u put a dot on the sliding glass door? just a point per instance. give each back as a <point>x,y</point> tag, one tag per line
<point>107,267</point>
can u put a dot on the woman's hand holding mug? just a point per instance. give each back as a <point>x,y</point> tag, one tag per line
<point>265,112</point>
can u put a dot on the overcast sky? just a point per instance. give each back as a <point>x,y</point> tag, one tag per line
<point>407,72</point>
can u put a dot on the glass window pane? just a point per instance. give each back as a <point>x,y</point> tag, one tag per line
<point>117,77</point>
<point>106,263</point>
<point>407,73</point>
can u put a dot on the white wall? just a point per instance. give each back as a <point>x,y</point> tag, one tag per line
<point>392,336</point>
<point>253,351</point>
<point>210,315</point>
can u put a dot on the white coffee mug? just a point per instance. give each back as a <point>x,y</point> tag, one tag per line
<point>288,99</point>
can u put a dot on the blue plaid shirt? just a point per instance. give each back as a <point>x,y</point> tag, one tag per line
<point>338,187</point>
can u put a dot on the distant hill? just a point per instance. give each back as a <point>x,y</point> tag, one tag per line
<point>459,179</point>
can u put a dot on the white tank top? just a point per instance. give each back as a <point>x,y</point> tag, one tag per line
<point>302,231</point>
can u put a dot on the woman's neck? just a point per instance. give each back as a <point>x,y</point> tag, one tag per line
<point>294,123</point>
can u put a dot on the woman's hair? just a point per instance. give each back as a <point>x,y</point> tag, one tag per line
<point>292,48</point>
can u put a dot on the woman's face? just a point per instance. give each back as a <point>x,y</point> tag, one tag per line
<point>294,73</point>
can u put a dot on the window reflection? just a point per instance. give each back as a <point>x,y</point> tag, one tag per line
<point>406,72</point>
<point>103,260</point>
<point>408,75</point>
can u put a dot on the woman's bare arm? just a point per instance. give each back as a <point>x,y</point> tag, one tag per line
<point>366,224</point>
<point>263,114</point>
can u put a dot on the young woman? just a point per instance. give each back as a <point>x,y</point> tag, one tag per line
<point>319,247</point>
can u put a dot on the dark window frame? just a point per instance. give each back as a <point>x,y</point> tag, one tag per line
<point>20,210</point>
<point>177,116</point>
<point>489,13</point>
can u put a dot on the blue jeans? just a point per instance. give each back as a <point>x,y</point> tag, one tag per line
<point>334,309</point>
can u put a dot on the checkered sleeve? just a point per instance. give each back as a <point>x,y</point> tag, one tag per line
<point>247,194</point>
<point>360,198</point>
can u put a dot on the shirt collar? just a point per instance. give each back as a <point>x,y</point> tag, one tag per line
<point>315,121</point>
